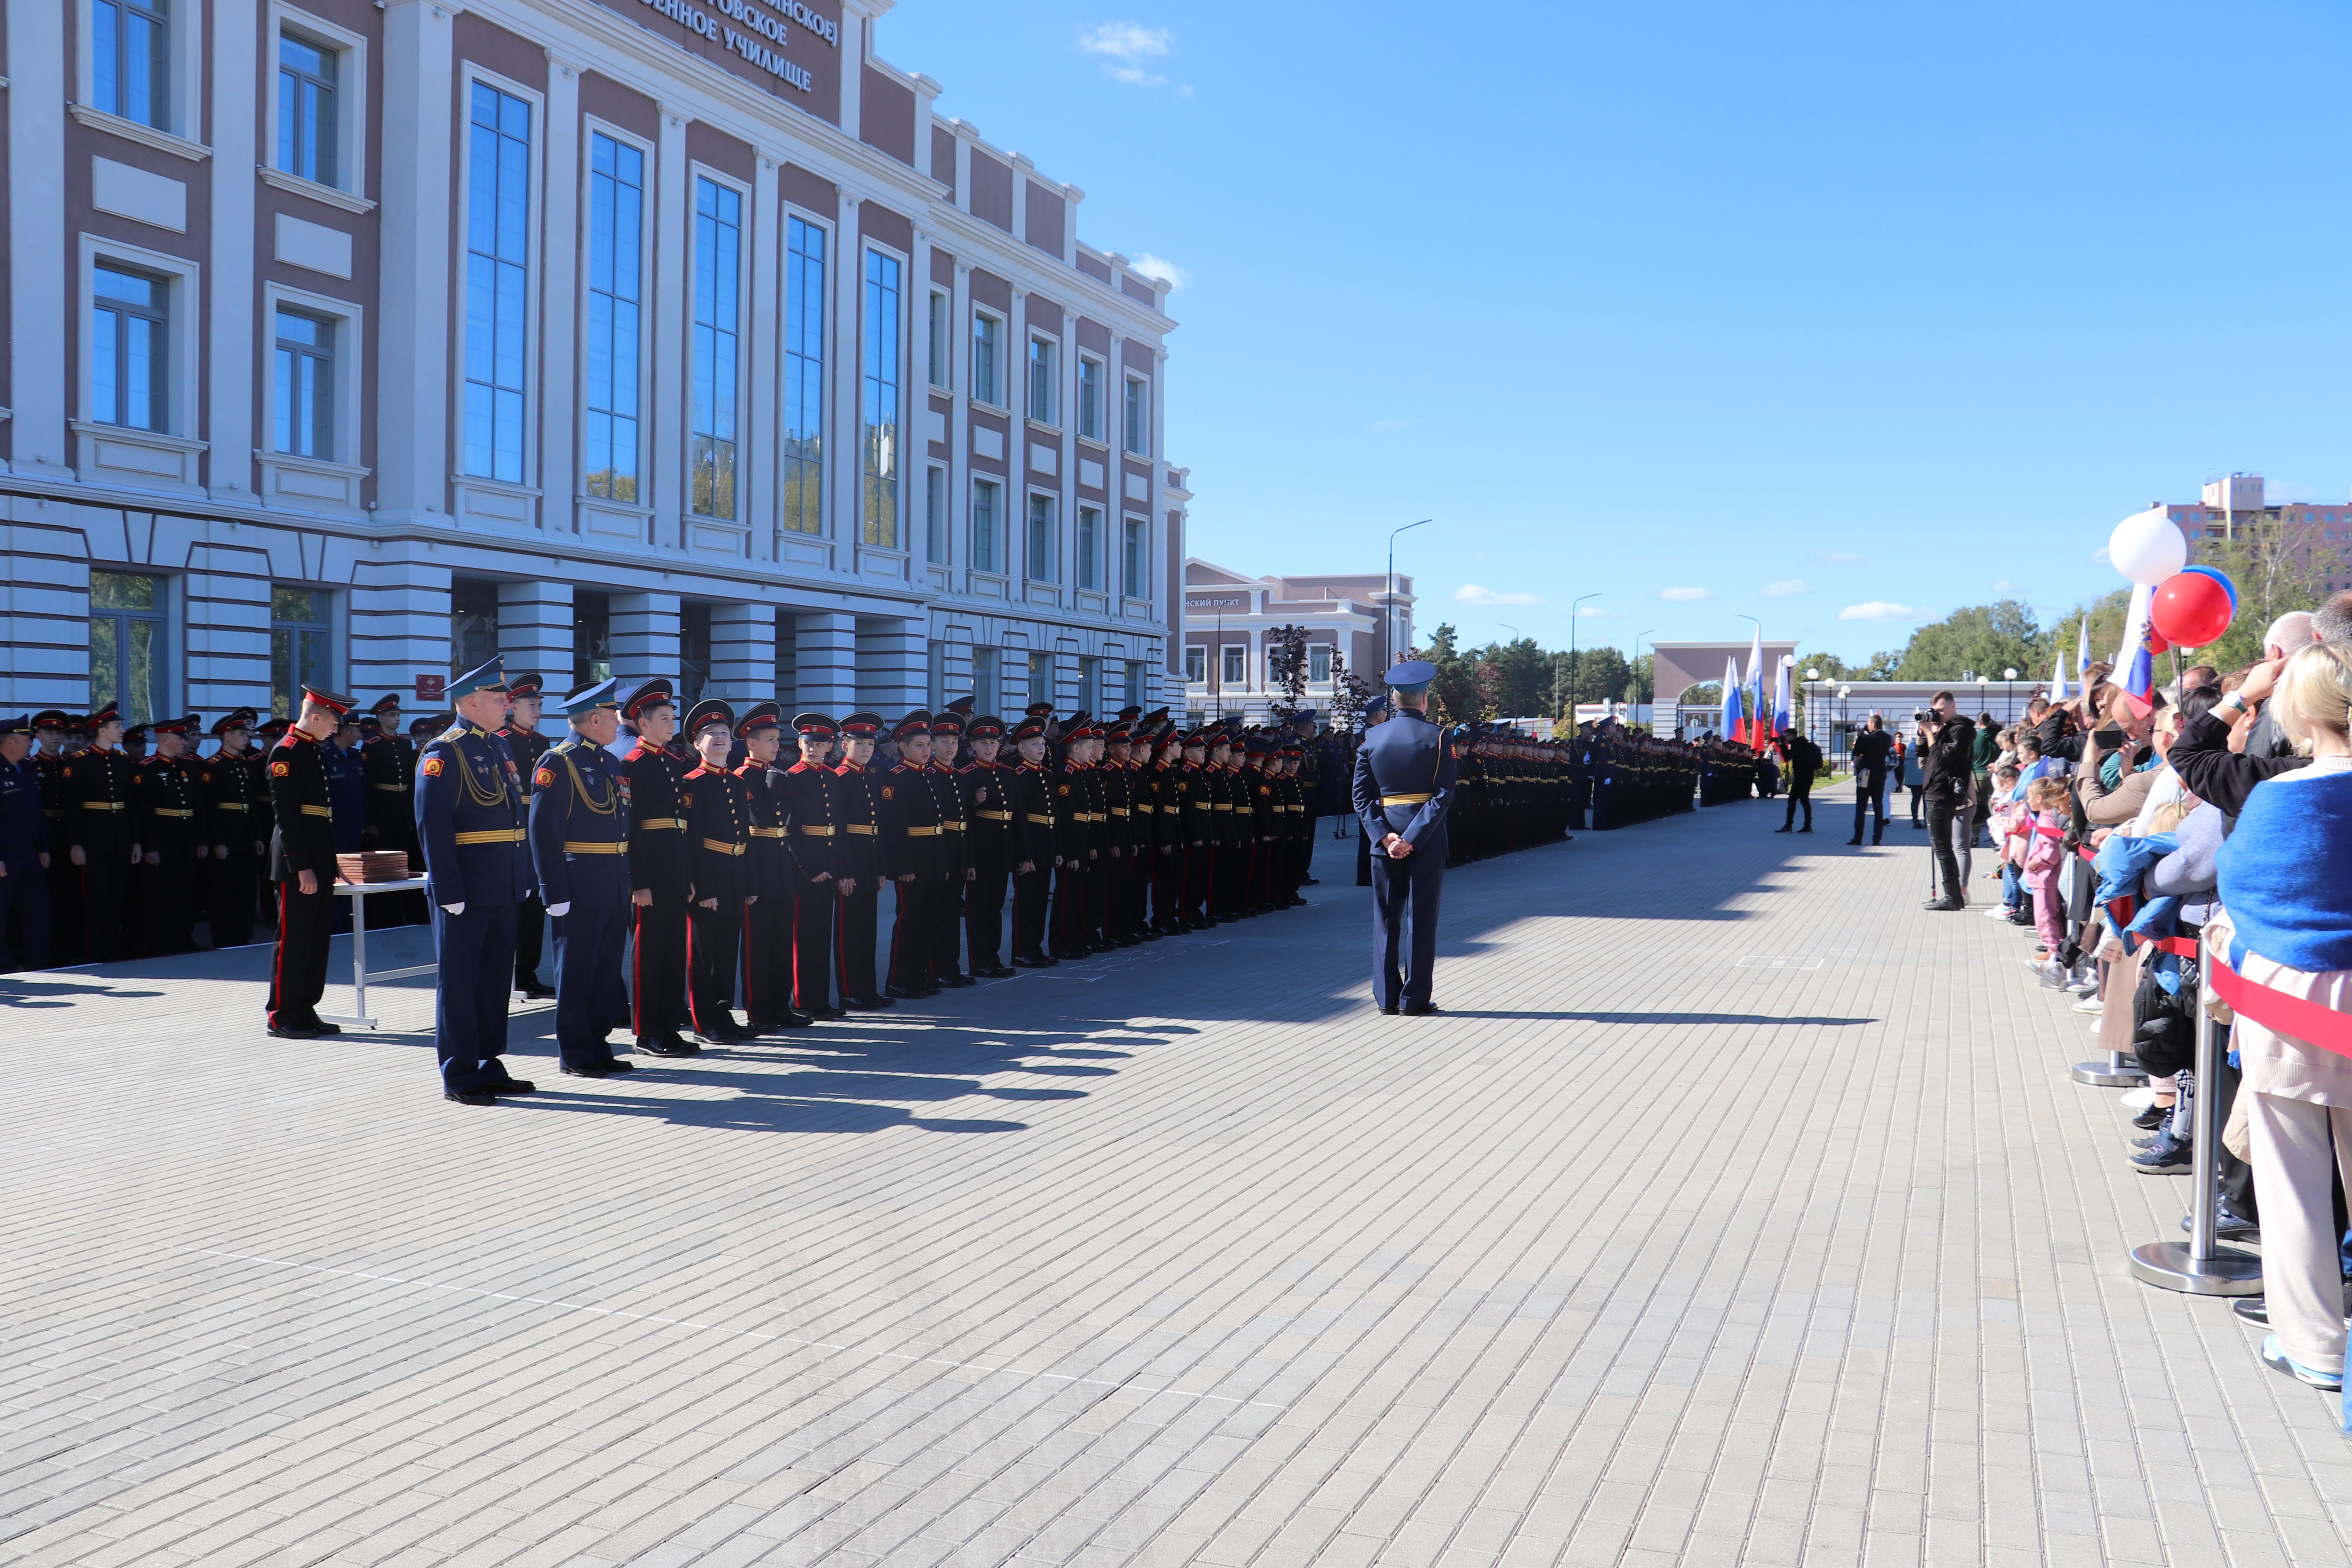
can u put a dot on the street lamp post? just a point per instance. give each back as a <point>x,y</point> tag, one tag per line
<point>2009,696</point>
<point>1388,619</point>
<point>1811,676</point>
<point>1843,692</point>
<point>1653,678</point>
<point>1571,655</point>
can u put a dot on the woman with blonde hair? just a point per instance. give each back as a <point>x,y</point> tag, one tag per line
<point>2281,954</point>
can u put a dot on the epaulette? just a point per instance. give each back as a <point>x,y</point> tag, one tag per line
<point>454,733</point>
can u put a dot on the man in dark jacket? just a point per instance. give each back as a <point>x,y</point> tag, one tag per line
<point>1948,782</point>
<point>1874,750</point>
<point>1804,760</point>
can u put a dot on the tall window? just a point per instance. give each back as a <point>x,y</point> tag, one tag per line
<point>306,109</point>
<point>303,412</point>
<point>1235,670</point>
<point>1041,539</point>
<point>987,358</point>
<point>299,639</point>
<point>1196,664</point>
<point>1090,398</point>
<point>126,643</point>
<point>987,526</point>
<point>130,55</point>
<point>935,514</point>
<point>936,341</point>
<point>1134,693</point>
<point>1319,661</point>
<point>1135,560</point>
<point>130,326</point>
<point>804,377</point>
<point>879,411</point>
<point>616,219</point>
<point>1138,416</point>
<point>1042,357</point>
<point>497,259</point>
<point>1040,678</point>
<point>1089,546</point>
<point>983,681</point>
<point>718,263</point>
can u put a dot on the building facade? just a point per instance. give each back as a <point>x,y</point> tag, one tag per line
<point>351,341</point>
<point>1227,617</point>
<point>2317,534</point>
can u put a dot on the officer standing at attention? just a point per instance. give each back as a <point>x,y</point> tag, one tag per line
<point>302,864</point>
<point>988,812</point>
<point>23,850</point>
<point>166,801</point>
<point>804,792</point>
<point>580,853</point>
<point>1404,782</point>
<point>235,801</point>
<point>717,807</point>
<point>659,872</point>
<point>768,878</point>
<point>469,816</point>
<point>95,788</point>
<point>526,693</point>
<point>858,865</point>
<point>1029,796</point>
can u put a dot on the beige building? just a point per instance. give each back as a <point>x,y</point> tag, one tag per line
<point>1227,617</point>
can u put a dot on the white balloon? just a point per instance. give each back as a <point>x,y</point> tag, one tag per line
<point>2147,547</point>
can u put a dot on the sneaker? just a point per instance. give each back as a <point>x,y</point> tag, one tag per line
<point>2278,1362</point>
<point>2150,1116</point>
<point>2167,1156</point>
<point>2229,1225</point>
<point>1998,912</point>
<point>2090,1004</point>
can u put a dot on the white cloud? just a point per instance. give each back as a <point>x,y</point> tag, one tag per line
<point>1685,596</point>
<point>1787,588</point>
<point>1583,610</point>
<point>2099,556</point>
<point>1125,46</point>
<point>2005,587</point>
<point>1838,557</point>
<point>1471,594</point>
<point>1878,610</point>
<point>1150,265</point>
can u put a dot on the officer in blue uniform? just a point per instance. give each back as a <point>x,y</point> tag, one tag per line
<point>1404,782</point>
<point>580,850</point>
<point>24,851</point>
<point>470,818</point>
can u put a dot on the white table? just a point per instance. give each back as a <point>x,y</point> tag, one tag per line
<point>359,894</point>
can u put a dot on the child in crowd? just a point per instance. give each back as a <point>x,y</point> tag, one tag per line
<point>2045,801</point>
<point>2012,826</point>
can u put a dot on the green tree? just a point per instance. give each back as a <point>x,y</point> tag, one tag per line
<point>1454,697</point>
<point>1522,676</point>
<point>1983,639</point>
<point>2272,573</point>
<point>1643,683</point>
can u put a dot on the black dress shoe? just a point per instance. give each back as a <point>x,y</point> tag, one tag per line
<point>665,1048</point>
<point>867,1004</point>
<point>1782,830</point>
<point>956,981</point>
<point>1041,962</point>
<point>1389,1007</point>
<point>469,1096</point>
<point>532,991</point>
<point>616,1065</point>
<point>820,1010</point>
<point>513,1086</point>
<point>321,1026</point>
<point>1806,828</point>
<point>1311,881</point>
<point>1942,906</point>
<point>713,1042</point>
<point>903,993</point>
<point>994,972</point>
<point>568,1070</point>
<point>1856,840</point>
<point>1417,1009</point>
<point>278,1033</point>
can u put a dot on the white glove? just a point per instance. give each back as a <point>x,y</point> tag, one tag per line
<point>562,909</point>
<point>456,909</point>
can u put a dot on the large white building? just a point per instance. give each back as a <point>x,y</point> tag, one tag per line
<point>350,342</point>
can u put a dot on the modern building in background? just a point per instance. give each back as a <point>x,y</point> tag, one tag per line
<point>1227,617</point>
<point>2318,532</point>
<point>349,342</point>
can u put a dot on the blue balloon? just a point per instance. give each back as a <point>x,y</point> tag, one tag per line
<point>2218,577</point>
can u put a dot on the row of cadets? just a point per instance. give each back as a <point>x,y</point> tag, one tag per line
<point>24,905</point>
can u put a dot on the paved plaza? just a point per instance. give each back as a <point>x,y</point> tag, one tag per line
<point>1737,1212</point>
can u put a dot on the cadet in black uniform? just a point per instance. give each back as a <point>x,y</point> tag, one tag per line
<point>955,846</point>
<point>768,878</point>
<point>1076,850</point>
<point>24,851</point>
<point>470,818</point>
<point>48,761</point>
<point>389,761</point>
<point>525,693</point>
<point>1029,796</point>
<point>991,837</point>
<point>813,832</point>
<point>1404,782</point>
<point>659,873</point>
<point>1197,814</point>
<point>233,782</point>
<point>858,863</point>
<point>912,831</point>
<point>95,790</point>
<point>302,864</point>
<point>579,830</point>
<point>718,809</point>
<point>166,802</point>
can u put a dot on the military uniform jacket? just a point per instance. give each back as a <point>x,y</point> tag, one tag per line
<point>857,806</point>
<point>234,799</point>
<point>95,788</point>
<point>1029,794</point>
<point>1404,781</point>
<point>389,764</point>
<point>304,837</point>
<point>1196,821</point>
<point>1118,787</point>
<point>955,838</point>
<point>803,796</point>
<point>911,829</point>
<point>1265,814</point>
<point>717,808</point>
<point>988,817</point>
<point>167,808</point>
<point>23,819</point>
<point>470,818</point>
<point>1074,812</point>
<point>50,771</point>
<point>579,826</point>
<point>526,746</point>
<point>768,869</point>
<point>657,858</point>
<point>1155,797</point>
<point>1217,800</point>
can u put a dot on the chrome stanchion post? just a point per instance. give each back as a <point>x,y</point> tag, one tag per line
<point>2117,1071</point>
<point>359,951</point>
<point>2204,1266</point>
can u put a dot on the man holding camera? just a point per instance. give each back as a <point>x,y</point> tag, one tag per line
<point>1948,784</point>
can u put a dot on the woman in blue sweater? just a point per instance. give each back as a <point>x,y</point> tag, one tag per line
<point>2286,889</point>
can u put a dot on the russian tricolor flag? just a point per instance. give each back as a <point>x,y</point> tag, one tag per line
<point>1735,719</point>
<point>2134,661</point>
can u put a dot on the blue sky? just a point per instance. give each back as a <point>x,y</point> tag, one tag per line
<point>1840,315</point>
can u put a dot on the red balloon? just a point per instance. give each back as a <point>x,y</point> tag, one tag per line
<point>2191,609</point>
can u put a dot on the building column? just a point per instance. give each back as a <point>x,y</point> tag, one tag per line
<point>535,632</point>
<point>644,628</point>
<point>559,399</point>
<point>666,419</point>
<point>412,436</point>
<point>893,664</point>
<point>742,652</point>
<point>40,285</point>
<point>845,441</point>
<point>399,627</point>
<point>228,318</point>
<point>824,661</point>
<point>960,425</point>
<point>763,491</point>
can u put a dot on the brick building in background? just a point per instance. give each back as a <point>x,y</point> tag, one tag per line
<point>350,343</point>
<point>1228,616</point>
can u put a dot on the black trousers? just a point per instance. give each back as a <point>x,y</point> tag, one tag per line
<point>984,918</point>
<point>767,930</point>
<point>1167,887</point>
<point>947,933</point>
<point>235,883</point>
<point>531,934</point>
<point>1073,902</point>
<point>657,986</point>
<point>1404,905</point>
<point>813,919</point>
<point>1944,818</point>
<point>588,991</point>
<point>170,905</point>
<point>1869,796</point>
<point>24,917</point>
<point>856,919</point>
<point>297,974</point>
<point>711,938</point>
<point>1029,905</point>
<point>913,928</point>
<point>66,934</point>
<point>105,881</point>
<point>475,952</point>
<point>1800,789</point>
